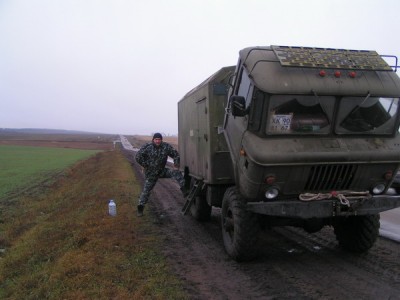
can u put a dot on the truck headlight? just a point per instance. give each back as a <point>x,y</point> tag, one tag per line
<point>271,193</point>
<point>378,189</point>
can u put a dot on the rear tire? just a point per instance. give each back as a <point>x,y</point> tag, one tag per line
<point>240,228</point>
<point>357,233</point>
<point>200,209</point>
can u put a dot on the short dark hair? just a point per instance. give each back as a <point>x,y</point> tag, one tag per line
<point>157,135</point>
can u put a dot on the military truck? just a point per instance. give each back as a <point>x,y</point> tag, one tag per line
<point>293,136</point>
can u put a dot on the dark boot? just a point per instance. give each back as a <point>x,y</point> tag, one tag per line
<point>140,210</point>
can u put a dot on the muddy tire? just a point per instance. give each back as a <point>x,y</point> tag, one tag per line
<point>357,233</point>
<point>200,209</point>
<point>240,228</point>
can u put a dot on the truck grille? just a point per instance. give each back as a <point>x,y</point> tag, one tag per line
<point>330,177</point>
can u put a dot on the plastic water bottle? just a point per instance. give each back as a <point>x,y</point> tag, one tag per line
<point>112,208</point>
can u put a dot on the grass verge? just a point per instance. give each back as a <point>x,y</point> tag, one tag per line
<point>62,244</point>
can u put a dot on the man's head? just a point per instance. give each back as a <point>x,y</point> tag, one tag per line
<point>157,139</point>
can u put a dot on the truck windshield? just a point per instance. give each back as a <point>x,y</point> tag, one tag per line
<point>298,114</point>
<point>367,115</point>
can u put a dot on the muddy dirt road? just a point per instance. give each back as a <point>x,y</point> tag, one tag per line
<point>293,264</point>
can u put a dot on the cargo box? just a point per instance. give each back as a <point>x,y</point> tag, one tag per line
<point>202,146</point>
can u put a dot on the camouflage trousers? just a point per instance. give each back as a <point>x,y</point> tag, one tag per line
<point>150,182</point>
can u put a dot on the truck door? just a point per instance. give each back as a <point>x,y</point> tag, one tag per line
<point>202,137</point>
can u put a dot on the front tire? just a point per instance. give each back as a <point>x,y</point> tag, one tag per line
<point>240,228</point>
<point>357,233</point>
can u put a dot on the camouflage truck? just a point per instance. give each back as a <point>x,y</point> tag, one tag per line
<point>293,136</point>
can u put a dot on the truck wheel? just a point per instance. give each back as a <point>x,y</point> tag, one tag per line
<point>240,228</point>
<point>200,209</point>
<point>357,233</point>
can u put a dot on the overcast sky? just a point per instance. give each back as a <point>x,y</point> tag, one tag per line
<point>121,66</point>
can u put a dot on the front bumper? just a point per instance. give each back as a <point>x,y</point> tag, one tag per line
<point>325,208</point>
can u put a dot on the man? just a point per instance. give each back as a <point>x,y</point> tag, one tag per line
<point>153,158</point>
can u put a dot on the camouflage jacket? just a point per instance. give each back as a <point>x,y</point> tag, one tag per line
<point>153,159</point>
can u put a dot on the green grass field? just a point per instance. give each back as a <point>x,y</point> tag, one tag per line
<point>23,167</point>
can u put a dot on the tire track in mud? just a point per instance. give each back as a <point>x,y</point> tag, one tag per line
<point>383,260</point>
<point>316,265</point>
<point>197,255</point>
<point>293,264</point>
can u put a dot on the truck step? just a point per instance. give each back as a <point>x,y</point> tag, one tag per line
<point>194,191</point>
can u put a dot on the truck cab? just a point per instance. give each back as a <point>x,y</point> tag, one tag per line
<point>306,120</point>
<point>312,135</point>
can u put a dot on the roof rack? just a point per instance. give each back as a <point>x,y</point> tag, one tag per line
<point>395,66</point>
<point>310,57</point>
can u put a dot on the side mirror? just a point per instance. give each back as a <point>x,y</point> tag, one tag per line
<point>238,106</point>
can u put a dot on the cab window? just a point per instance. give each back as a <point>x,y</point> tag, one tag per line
<point>299,114</point>
<point>367,115</point>
<point>245,87</point>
